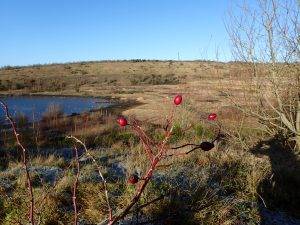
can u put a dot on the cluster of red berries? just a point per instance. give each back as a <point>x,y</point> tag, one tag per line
<point>122,121</point>
<point>178,100</point>
<point>206,146</point>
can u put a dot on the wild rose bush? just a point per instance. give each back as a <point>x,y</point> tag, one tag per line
<point>155,150</point>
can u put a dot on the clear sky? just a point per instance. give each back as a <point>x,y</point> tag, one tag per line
<point>50,31</point>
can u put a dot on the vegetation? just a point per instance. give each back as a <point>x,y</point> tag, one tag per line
<point>224,185</point>
<point>237,165</point>
<point>156,79</point>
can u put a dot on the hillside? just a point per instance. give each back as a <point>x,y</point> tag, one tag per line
<point>149,82</point>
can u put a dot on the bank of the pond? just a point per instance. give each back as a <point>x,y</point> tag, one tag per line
<point>35,106</point>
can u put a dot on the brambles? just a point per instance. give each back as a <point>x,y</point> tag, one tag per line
<point>156,151</point>
<point>177,99</point>
<point>154,147</point>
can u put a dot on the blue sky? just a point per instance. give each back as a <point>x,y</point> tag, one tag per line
<point>48,31</point>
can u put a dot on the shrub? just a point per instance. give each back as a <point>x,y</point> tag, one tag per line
<point>169,79</point>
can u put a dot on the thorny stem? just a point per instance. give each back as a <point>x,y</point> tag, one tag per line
<point>196,146</point>
<point>152,201</point>
<point>99,172</point>
<point>182,146</point>
<point>145,179</point>
<point>154,160</point>
<point>24,159</point>
<point>75,185</point>
<point>185,153</point>
<point>138,194</point>
<point>149,145</point>
<point>145,140</point>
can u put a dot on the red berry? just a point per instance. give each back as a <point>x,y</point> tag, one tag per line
<point>122,121</point>
<point>177,99</point>
<point>133,179</point>
<point>212,116</point>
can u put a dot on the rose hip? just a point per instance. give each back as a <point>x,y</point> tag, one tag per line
<point>212,116</point>
<point>206,146</point>
<point>133,179</point>
<point>177,99</point>
<point>122,121</point>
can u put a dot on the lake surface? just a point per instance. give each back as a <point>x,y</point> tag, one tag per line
<point>34,107</point>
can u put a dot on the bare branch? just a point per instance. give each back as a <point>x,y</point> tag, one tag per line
<point>25,163</point>
<point>99,172</point>
<point>75,185</point>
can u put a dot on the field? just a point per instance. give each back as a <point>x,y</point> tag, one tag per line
<point>249,177</point>
<point>203,83</point>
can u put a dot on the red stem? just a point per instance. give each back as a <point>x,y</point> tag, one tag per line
<point>138,194</point>
<point>24,160</point>
<point>145,179</point>
<point>75,185</point>
<point>99,172</point>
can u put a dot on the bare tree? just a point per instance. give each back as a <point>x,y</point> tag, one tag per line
<point>265,35</point>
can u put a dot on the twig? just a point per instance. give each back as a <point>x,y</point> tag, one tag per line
<point>75,185</point>
<point>152,201</point>
<point>185,153</point>
<point>24,159</point>
<point>196,146</point>
<point>182,146</point>
<point>99,172</point>
<point>146,178</point>
<point>263,201</point>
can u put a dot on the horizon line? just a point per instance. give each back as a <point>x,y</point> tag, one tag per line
<point>115,60</point>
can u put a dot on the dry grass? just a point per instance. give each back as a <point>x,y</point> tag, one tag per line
<point>202,82</point>
<point>224,186</point>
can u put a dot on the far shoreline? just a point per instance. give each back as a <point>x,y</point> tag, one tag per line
<point>118,105</point>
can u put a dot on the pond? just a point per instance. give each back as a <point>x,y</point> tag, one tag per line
<point>34,107</point>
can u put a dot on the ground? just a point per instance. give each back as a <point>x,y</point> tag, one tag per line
<point>233,183</point>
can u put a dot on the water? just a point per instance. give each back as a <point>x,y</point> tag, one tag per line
<point>34,107</point>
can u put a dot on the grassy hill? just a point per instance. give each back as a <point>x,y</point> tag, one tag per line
<point>146,81</point>
<point>249,177</point>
